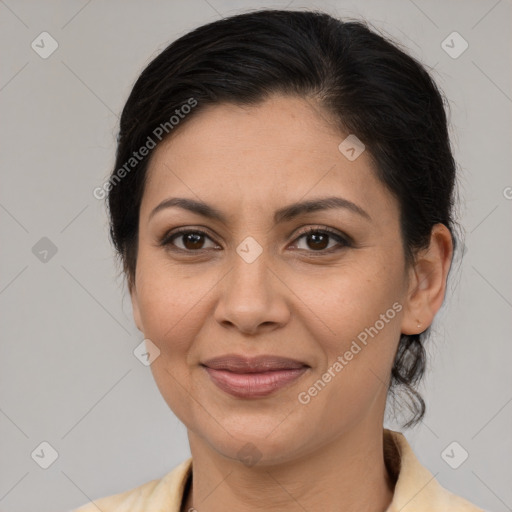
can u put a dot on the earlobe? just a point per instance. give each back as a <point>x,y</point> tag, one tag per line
<point>427,281</point>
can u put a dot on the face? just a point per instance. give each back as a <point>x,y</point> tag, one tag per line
<point>255,282</point>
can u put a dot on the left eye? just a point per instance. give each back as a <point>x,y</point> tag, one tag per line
<point>318,240</point>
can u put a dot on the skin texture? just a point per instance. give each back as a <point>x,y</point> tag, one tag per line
<point>298,299</point>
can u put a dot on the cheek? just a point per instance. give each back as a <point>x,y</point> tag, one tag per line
<point>349,299</point>
<point>365,319</point>
<point>170,303</point>
<point>171,312</point>
<point>358,317</point>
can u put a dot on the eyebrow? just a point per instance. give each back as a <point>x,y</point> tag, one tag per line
<point>284,214</point>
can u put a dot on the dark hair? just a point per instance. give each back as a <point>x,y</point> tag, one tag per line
<point>371,87</point>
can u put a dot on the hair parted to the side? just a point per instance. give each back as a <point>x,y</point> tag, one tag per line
<point>366,83</point>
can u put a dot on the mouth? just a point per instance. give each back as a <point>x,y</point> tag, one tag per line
<point>255,377</point>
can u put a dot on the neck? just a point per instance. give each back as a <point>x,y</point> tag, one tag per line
<point>349,475</point>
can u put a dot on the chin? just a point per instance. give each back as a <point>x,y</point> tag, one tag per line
<point>253,442</point>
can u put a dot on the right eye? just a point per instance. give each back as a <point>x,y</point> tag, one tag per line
<point>191,240</point>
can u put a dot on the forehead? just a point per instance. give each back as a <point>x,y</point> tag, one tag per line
<point>252,157</point>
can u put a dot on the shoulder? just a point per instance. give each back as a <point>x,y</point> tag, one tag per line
<point>164,492</point>
<point>416,489</point>
<point>122,500</point>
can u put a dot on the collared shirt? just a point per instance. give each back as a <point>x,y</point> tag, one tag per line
<point>416,489</point>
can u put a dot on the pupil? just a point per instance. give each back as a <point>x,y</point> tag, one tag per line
<point>316,238</point>
<point>193,239</point>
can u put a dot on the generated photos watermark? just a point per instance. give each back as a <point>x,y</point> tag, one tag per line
<point>305,397</point>
<point>156,136</point>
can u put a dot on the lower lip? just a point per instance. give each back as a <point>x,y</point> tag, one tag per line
<point>253,385</point>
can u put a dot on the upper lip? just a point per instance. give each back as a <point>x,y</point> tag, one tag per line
<point>244,364</point>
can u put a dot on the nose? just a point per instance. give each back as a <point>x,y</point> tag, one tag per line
<point>252,297</point>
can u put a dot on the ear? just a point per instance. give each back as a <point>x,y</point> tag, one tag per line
<point>135,307</point>
<point>427,281</point>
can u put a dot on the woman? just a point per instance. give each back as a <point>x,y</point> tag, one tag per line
<point>282,204</point>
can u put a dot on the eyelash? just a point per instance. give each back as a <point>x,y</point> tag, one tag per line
<point>344,241</point>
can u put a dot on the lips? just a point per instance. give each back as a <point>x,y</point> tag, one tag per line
<point>240,364</point>
<point>253,377</point>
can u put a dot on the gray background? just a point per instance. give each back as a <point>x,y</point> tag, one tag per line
<point>67,372</point>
